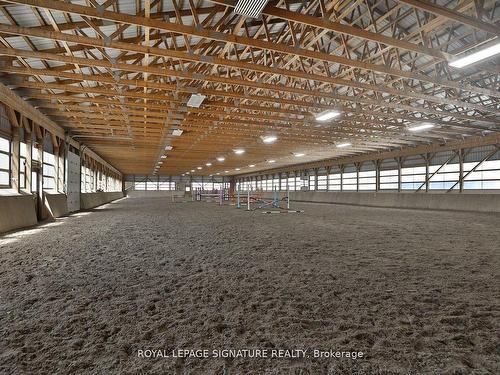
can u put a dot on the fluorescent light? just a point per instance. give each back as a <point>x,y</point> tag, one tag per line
<point>218,173</point>
<point>239,151</point>
<point>192,170</point>
<point>250,8</point>
<point>476,56</point>
<point>327,115</point>
<point>177,132</point>
<point>236,169</point>
<point>420,127</point>
<point>168,148</point>
<point>195,100</point>
<point>199,168</point>
<point>252,165</point>
<point>221,158</point>
<point>341,145</point>
<point>226,171</point>
<point>160,162</point>
<point>298,154</point>
<point>208,164</point>
<point>271,161</point>
<point>164,156</point>
<point>269,138</point>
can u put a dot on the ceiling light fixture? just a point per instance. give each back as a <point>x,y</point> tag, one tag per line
<point>420,127</point>
<point>195,100</point>
<point>208,164</point>
<point>251,165</point>
<point>476,56</point>
<point>271,161</point>
<point>239,151</point>
<point>199,168</point>
<point>269,138</point>
<point>342,145</point>
<point>250,8</point>
<point>221,158</point>
<point>177,132</point>
<point>164,156</point>
<point>327,115</point>
<point>298,154</point>
<point>168,148</point>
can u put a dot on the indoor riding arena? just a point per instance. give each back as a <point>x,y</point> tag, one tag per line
<point>249,187</point>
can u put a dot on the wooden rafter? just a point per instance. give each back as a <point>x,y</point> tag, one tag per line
<point>121,81</point>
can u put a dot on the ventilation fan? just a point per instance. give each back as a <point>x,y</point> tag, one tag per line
<point>250,8</point>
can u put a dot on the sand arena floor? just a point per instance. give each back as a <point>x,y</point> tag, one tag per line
<point>416,291</point>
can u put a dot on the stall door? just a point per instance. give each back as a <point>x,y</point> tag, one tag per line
<point>73,187</point>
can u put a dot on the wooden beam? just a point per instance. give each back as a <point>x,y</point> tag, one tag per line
<point>408,151</point>
<point>11,99</point>
<point>452,15</point>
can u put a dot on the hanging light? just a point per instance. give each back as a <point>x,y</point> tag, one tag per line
<point>476,56</point>
<point>342,145</point>
<point>327,115</point>
<point>420,127</point>
<point>269,139</point>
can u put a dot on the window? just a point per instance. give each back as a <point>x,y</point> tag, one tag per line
<point>285,183</point>
<point>349,181</point>
<point>389,179</point>
<point>165,185</point>
<point>4,163</point>
<point>367,180</point>
<point>322,181</point>
<point>412,178</point>
<point>23,154</point>
<point>312,182</point>
<point>151,185</point>
<point>334,181</point>
<point>299,182</point>
<point>209,186</point>
<point>269,184</point>
<point>485,176</point>
<point>88,179</point>
<point>276,184</point>
<point>259,184</point>
<point>140,186</point>
<point>49,171</point>
<point>447,176</point>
